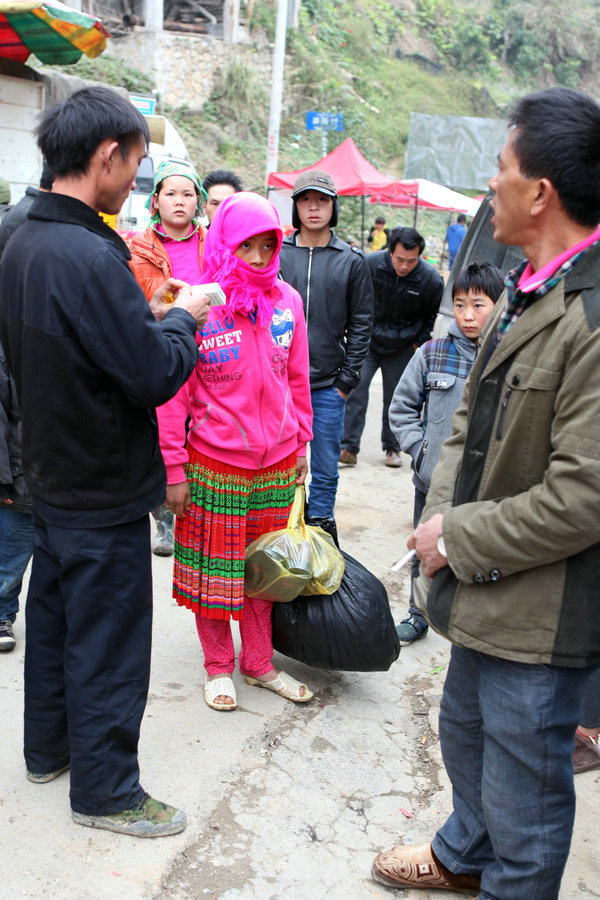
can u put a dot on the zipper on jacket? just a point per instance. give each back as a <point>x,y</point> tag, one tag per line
<point>310,250</point>
<point>257,349</point>
<point>503,406</point>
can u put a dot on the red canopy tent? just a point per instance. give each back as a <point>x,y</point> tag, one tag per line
<point>354,176</point>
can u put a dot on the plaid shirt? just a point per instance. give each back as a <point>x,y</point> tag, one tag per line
<point>441,355</point>
<point>518,301</point>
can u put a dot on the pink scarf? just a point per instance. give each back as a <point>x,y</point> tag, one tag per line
<point>238,218</point>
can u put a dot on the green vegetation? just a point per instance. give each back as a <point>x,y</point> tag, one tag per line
<point>110,70</point>
<point>376,62</point>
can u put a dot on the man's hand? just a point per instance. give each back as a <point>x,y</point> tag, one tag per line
<point>196,303</point>
<point>301,469</point>
<point>164,297</point>
<point>179,498</point>
<point>424,540</point>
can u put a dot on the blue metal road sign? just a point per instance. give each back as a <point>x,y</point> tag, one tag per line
<point>327,121</point>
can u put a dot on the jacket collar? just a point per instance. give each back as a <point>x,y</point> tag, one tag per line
<point>464,345</point>
<point>584,276</point>
<point>335,242</point>
<point>52,207</point>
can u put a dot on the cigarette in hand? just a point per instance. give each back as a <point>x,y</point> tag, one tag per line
<point>402,562</point>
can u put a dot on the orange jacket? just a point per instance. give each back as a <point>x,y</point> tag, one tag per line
<point>150,261</point>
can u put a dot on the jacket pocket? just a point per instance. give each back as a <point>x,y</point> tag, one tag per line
<point>217,427</point>
<point>439,387</point>
<point>524,421</point>
<point>420,457</point>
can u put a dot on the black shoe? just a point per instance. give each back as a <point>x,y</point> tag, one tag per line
<point>411,629</point>
<point>7,636</point>
<point>327,523</point>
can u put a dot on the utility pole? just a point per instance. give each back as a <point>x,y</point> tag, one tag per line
<point>276,89</point>
<point>154,15</point>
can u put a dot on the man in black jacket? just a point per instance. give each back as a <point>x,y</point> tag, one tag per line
<point>408,292</point>
<point>90,361</point>
<point>334,283</point>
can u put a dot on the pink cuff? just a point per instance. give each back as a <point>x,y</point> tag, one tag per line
<point>175,474</point>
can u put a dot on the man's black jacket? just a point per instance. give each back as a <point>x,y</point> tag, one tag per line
<point>337,294</point>
<point>405,308</point>
<point>90,363</point>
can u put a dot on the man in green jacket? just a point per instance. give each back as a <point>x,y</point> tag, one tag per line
<point>511,530</point>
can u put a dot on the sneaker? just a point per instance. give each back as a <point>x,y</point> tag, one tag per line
<point>7,636</point>
<point>148,819</point>
<point>45,777</point>
<point>393,459</point>
<point>411,629</point>
<point>347,458</point>
<point>164,540</point>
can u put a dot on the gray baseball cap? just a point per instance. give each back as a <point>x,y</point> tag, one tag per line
<point>314,180</point>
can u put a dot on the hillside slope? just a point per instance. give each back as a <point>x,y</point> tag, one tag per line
<point>376,62</point>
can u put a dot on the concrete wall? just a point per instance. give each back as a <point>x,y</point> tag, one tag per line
<point>185,68</point>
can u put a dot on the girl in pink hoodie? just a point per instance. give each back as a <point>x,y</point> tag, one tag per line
<point>232,472</point>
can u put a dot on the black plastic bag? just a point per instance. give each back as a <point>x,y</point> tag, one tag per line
<point>351,630</point>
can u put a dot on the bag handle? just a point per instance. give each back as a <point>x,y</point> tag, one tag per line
<point>296,517</point>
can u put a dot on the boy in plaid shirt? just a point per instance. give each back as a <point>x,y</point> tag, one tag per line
<point>430,391</point>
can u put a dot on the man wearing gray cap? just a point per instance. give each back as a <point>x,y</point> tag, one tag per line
<point>334,283</point>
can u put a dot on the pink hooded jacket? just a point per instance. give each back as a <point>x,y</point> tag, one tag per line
<point>248,399</point>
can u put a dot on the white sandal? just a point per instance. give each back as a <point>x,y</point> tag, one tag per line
<point>220,687</point>
<point>285,686</point>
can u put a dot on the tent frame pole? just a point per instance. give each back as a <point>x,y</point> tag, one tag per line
<point>362,228</point>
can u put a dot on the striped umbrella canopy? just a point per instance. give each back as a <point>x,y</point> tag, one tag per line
<point>55,33</point>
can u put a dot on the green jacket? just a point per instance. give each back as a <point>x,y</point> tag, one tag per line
<point>519,486</point>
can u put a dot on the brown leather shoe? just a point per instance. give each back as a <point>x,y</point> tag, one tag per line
<point>419,867</point>
<point>347,458</point>
<point>587,754</point>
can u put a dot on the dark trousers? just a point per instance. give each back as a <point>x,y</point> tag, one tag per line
<point>415,565</point>
<point>87,659</point>
<point>392,368</point>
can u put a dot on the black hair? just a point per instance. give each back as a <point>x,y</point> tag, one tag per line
<point>461,217</point>
<point>335,210</point>
<point>380,220</point>
<point>479,276</point>
<point>222,176</point>
<point>408,237</point>
<point>70,132</point>
<point>46,178</point>
<point>557,136</point>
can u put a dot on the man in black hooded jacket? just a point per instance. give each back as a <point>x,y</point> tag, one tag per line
<point>334,283</point>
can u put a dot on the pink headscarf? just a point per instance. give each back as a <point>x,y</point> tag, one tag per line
<point>238,218</point>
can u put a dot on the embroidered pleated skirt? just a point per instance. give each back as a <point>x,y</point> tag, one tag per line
<point>231,507</point>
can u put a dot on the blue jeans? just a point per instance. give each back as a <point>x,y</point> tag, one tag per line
<point>16,547</point>
<point>328,424</point>
<point>87,659</point>
<point>506,733</point>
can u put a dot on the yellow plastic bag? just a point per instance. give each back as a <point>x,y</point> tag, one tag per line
<point>279,564</point>
<point>327,562</point>
<point>297,559</point>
